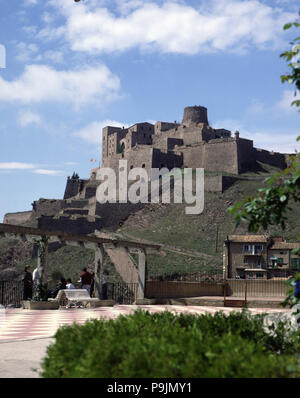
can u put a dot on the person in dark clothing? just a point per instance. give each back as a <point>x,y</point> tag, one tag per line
<point>104,285</point>
<point>61,285</point>
<point>86,280</point>
<point>104,289</point>
<point>92,284</point>
<point>27,279</point>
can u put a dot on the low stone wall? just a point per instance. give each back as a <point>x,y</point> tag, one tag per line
<point>17,218</point>
<point>80,225</point>
<point>235,288</point>
<point>257,288</point>
<point>47,207</point>
<point>172,289</point>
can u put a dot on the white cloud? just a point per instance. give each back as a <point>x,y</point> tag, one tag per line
<point>48,172</point>
<point>56,57</point>
<point>33,168</point>
<point>26,51</point>
<point>16,165</point>
<point>285,102</point>
<point>2,56</point>
<point>218,25</point>
<point>92,133</point>
<point>40,83</point>
<point>30,2</point>
<point>277,141</point>
<point>27,117</point>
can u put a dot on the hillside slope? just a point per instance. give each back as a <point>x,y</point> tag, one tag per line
<point>192,243</point>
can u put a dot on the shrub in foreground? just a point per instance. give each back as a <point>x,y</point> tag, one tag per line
<point>168,345</point>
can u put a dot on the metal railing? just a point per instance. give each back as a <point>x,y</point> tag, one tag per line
<point>11,293</point>
<point>122,293</point>
<point>214,276</point>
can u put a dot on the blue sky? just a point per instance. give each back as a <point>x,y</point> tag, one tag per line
<point>72,68</point>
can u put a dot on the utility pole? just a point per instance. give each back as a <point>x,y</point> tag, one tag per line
<point>217,237</point>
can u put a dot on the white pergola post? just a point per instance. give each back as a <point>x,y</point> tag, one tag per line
<point>42,264</point>
<point>45,264</point>
<point>99,256</point>
<point>142,274</point>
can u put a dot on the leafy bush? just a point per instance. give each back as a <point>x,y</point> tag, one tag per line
<point>168,345</point>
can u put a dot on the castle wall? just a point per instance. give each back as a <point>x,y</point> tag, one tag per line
<point>221,155</point>
<point>166,159</point>
<point>140,156</point>
<point>114,214</point>
<point>111,136</point>
<point>160,141</point>
<point>73,187</point>
<point>17,218</point>
<point>191,135</point>
<point>47,207</point>
<point>193,156</point>
<point>164,126</point>
<point>246,160</point>
<point>172,142</point>
<point>273,158</point>
<point>77,226</point>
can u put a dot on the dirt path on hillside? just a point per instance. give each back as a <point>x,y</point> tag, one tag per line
<point>174,249</point>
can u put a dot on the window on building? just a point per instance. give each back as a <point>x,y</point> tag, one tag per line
<point>258,248</point>
<point>280,261</point>
<point>143,166</point>
<point>295,263</point>
<point>245,260</point>
<point>247,248</point>
<point>259,275</point>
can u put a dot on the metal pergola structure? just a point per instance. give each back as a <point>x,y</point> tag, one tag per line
<point>89,242</point>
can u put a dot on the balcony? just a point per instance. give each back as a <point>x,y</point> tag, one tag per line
<point>253,253</point>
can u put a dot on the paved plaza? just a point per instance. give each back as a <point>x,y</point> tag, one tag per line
<point>25,334</point>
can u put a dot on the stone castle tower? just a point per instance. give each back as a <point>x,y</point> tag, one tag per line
<point>192,143</point>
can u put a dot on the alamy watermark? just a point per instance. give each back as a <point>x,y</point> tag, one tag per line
<point>138,185</point>
<point>2,56</point>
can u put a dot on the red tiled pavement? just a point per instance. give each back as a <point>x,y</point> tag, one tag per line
<point>19,324</point>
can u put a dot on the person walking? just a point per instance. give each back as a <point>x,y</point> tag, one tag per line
<point>86,280</point>
<point>27,279</point>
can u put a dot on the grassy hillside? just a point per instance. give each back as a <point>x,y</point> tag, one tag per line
<point>191,242</point>
<point>203,234</point>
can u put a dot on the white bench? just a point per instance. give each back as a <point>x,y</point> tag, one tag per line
<point>78,297</point>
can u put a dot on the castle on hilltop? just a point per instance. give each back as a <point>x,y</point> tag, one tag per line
<point>192,143</point>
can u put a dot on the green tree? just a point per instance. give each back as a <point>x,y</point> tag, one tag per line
<point>271,204</point>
